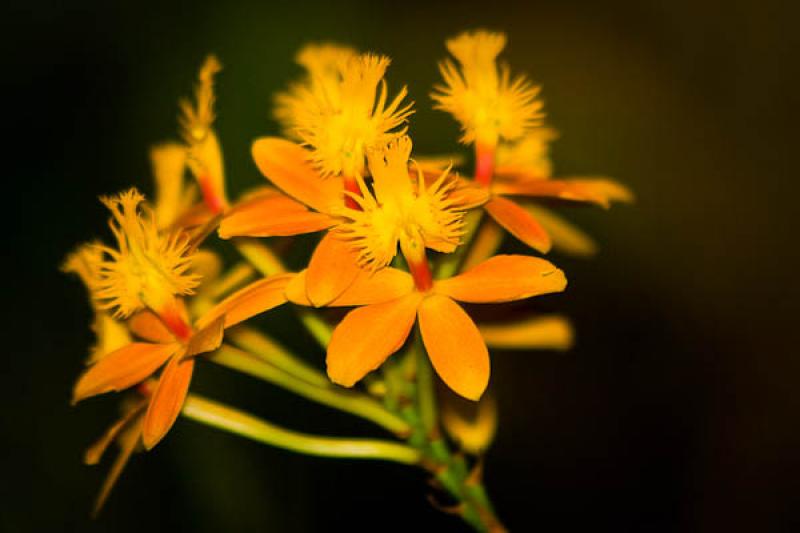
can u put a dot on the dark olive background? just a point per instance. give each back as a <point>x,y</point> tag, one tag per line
<point>676,411</point>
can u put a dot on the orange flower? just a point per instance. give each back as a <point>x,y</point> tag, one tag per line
<point>145,274</point>
<point>398,212</point>
<point>523,170</point>
<point>390,301</point>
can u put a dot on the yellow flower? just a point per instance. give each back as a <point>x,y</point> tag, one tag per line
<point>342,110</point>
<point>147,268</point>
<point>488,103</point>
<point>204,155</point>
<point>110,334</point>
<point>399,211</point>
<point>390,302</point>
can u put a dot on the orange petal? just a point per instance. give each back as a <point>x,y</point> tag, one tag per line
<point>96,450</point>
<point>454,345</point>
<point>207,339</point>
<point>599,191</point>
<point>367,336</point>
<point>128,441</point>
<point>519,223</point>
<point>332,269</point>
<point>259,296</point>
<point>368,288</point>
<point>167,400</point>
<point>504,278</point>
<point>540,332</point>
<point>287,165</point>
<point>122,368</point>
<point>146,325</point>
<point>272,215</point>
<point>484,245</point>
<point>566,237</point>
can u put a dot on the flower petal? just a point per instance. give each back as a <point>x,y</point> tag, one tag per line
<point>122,368</point>
<point>167,400</point>
<point>207,339</point>
<point>128,441</point>
<point>272,215</point>
<point>504,278</point>
<point>454,345</point>
<point>332,269</point>
<point>484,245</point>
<point>287,165</point>
<point>565,236</point>
<point>600,191</point>
<point>146,325</point>
<point>368,288</point>
<point>255,298</point>
<point>553,332</point>
<point>519,223</point>
<point>367,336</point>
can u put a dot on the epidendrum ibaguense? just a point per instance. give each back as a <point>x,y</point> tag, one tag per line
<point>404,241</point>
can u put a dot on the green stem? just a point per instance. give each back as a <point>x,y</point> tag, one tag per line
<point>319,329</point>
<point>260,256</point>
<point>273,353</point>
<point>238,422</point>
<point>350,402</point>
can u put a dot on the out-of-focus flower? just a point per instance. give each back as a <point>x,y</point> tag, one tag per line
<point>473,434</point>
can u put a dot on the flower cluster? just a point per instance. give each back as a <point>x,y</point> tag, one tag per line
<point>403,239</point>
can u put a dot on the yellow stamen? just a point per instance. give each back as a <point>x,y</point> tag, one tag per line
<point>488,103</point>
<point>147,269</point>
<point>399,211</point>
<point>341,111</point>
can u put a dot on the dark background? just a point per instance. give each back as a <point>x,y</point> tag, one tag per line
<point>676,411</point>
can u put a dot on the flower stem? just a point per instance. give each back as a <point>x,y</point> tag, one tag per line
<point>350,402</point>
<point>238,422</point>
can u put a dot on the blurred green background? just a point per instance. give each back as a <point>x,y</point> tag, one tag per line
<point>676,411</point>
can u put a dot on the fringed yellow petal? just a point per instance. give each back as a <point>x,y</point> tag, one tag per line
<point>274,215</point>
<point>552,332</point>
<point>504,278</point>
<point>368,288</point>
<point>332,269</point>
<point>565,236</point>
<point>204,153</point>
<point>485,99</point>
<point>122,369</point>
<point>454,345</point>
<point>519,223</point>
<point>147,269</point>
<point>167,400</point>
<point>367,336</point>
<point>256,298</point>
<point>286,165</point>
<point>344,111</point>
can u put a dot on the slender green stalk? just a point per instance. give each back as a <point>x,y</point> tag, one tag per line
<point>426,395</point>
<point>238,422</point>
<point>260,256</point>
<point>236,276</point>
<point>319,329</point>
<point>350,402</point>
<point>270,351</point>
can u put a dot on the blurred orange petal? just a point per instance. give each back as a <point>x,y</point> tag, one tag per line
<point>259,296</point>
<point>454,345</point>
<point>96,450</point>
<point>485,243</point>
<point>504,278</point>
<point>566,237</point>
<point>367,336</point>
<point>368,288</point>
<point>287,165</point>
<point>272,215</point>
<point>552,332</point>
<point>600,191</point>
<point>128,441</point>
<point>167,400</point>
<point>122,368</point>
<point>332,269</point>
<point>146,325</point>
<point>519,223</point>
